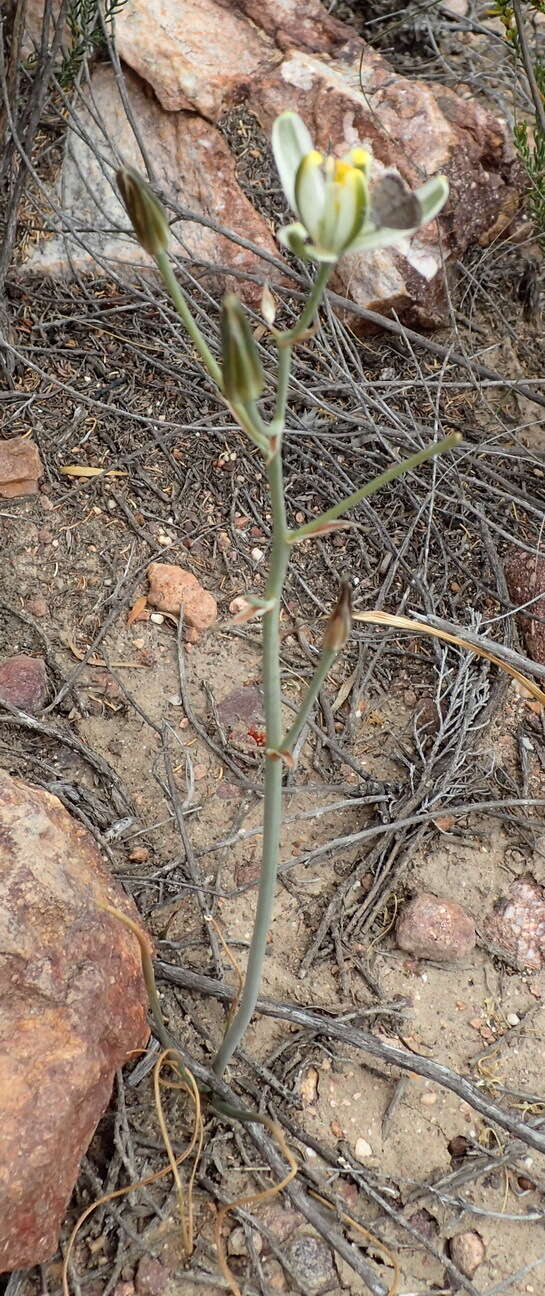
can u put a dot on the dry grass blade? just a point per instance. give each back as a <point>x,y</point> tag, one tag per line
<point>278,1135</point>
<point>369,1238</point>
<point>171,1168</point>
<point>168,1057</point>
<point>406,623</point>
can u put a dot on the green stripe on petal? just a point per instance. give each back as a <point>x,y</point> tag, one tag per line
<point>295,238</point>
<point>290,144</point>
<point>352,209</point>
<point>310,192</point>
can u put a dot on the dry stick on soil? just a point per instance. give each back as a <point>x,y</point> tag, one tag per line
<point>378,1047</point>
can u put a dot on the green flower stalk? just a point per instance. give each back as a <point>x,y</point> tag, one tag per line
<point>339,210</point>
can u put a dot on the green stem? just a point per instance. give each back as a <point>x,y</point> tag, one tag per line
<point>397,470</point>
<point>326,661</point>
<point>272,816</point>
<point>249,419</point>
<point>307,314</point>
<point>177,297</point>
<point>284,369</point>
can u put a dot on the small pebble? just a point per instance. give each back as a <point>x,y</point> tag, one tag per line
<point>512,1019</point>
<point>257,555</point>
<point>236,1244</point>
<point>467,1250</point>
<point>428,1099</point>
<point>435,928</point>
<point>363,1149</point>
<point>37,606</point>
<point>157,618</point>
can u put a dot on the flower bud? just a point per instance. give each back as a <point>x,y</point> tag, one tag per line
<point>340,622</point>
<point>243,378</point>
<point>268,306</point>
<point>144,210</point>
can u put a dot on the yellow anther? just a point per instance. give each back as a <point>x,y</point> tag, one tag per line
<point>360,158</point>
<point>342,171</point>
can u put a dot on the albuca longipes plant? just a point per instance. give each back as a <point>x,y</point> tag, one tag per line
<point>337,211</point>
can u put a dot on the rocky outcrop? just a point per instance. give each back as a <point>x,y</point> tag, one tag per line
<point>204,58</point>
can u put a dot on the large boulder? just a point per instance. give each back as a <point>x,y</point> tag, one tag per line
<point>204,59</point>
<point>73,1007</point>
<point>193,166</point>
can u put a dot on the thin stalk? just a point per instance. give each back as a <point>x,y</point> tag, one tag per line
<point>272,816</point>
<point>397,470</point>
<point>248,419</point>
<point>284,369</point>
<point>324,665</point>
<point>529,66</point>
<point>307,315</point>
<point>177,297</point>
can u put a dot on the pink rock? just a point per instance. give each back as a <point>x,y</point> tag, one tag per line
<point>151,1276</point>
<point>242,706</point>
<point>23,682</point>
<point>172,589</point>
<point>73,1007</point>
<point>435,929</point>
<point>300,24</point>
<point>185,51</point>
<point>518,923</point>
<point>525,576</point>
<point>193,167</point>
<point>37,606</point>
<point>291,54</point>
<point>468,1251</point>
<point>20,467</point>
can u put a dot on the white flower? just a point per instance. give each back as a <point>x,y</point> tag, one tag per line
<point>330,197</point>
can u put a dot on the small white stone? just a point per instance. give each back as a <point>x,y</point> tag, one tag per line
<point>257,555</point>
<point>428,1099</point>
<point>157,618</point>
<point>363,1149</point>
<point>164,540</point>
<point>512,1019</point>
<point>236,1244</point>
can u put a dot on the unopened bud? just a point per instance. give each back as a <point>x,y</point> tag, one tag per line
<point>268,305</point>
<point>243,378</point>
<point>340,622</point>
<point>144,210</point>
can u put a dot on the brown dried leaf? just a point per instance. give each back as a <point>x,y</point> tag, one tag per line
<point>322,529</point>
<point>139,611</point>
<point>81,470</point>
<point>407,623</point>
